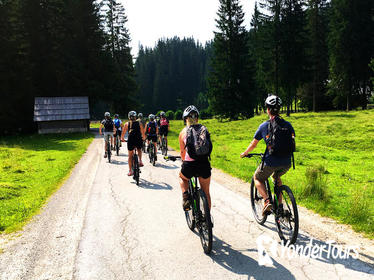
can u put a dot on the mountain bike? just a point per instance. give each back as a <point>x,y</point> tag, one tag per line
<point>108,148</point>
<point>199,214</point>
<point>135,167</point>
<point>144,150</point>
<point>285,213</point>
<point>117,144</point>
<point>152,153</point>
<point>164,146</point>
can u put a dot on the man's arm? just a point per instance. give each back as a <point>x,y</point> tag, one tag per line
<point>250,147</point>
<point>182,146</point>
<point>124,132</point>
<point>100,128</point>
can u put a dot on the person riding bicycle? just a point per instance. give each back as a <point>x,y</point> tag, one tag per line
<point>134,140</point>
<point>274,165</point>
<point>151,132</point>
<point>118,125</point>
<point>141,119</point>
<point>109,130</point>
<point>163,124</point>
<point>193,166</point>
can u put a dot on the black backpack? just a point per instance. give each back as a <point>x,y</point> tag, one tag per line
<point>108,124</point>
<point>198,142</point>
<point>281,141</point>
<point>151,128</point>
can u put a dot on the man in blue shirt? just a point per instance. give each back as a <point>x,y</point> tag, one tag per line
<point>273,165</point>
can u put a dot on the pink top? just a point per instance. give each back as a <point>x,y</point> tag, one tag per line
<point>187,156</point>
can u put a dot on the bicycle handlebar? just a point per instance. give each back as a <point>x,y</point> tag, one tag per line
<point>252,155</point>
<point>172,158</point>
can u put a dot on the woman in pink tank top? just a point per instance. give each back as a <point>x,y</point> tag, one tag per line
<point>190,166</point>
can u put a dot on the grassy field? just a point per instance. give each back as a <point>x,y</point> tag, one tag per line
<point>31,169</point>
<point>334,173</point>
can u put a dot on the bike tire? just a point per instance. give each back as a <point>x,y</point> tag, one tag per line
<point>289,204</point>
<point>257,204</point>
<point>190,217</point>
<point>117,147</point>
<point>154,155</point>
<point>205,223</point>
<point>136,169</point>
<point>109,152</point>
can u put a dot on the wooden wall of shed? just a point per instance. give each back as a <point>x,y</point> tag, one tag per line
<point>63,126</point>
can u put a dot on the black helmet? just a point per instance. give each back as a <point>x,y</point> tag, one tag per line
<point>116,115</point>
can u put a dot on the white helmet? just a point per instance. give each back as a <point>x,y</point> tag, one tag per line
<point>107,114</point>
<point>273,101</point>
<point>151,117</point>
<point>189,110</point>
<point>132,114</point>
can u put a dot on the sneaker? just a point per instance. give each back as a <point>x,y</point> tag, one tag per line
<point>105,155</point>
<point>130,173</point>
<point>141,164</point>
<point>267,207</point>
<point>186,202</point>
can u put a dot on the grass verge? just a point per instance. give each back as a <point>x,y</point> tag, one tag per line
<point>334,173</point>
<point>31,169</point>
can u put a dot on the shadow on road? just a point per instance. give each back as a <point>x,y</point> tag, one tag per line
<point>149,185</point>
<point>158,164</point>
<point>235,261</point>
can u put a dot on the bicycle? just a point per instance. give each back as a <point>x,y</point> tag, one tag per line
<point>285,214</point>
<point>108,148</point>
<point>164,146</point>
<point>135,167</point>
<point>199,214</point>
<point>152,153</point>
<point>144,150</point>
<point>117,144</point>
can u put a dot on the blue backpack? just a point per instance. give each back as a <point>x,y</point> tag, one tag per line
<point>117,123</point>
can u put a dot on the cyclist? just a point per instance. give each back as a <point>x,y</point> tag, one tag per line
<point>118,125</point>
<point>141,119</point>
<point>109,130</point>
<point>152,131</point>
<point>192,167</point>
<point>134,140</point>
<point>273,165</point>
<point>164,126</point>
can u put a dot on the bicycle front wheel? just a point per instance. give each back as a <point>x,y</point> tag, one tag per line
<point>205,223</point>
<point>287,218</point>
<point>257,203</point>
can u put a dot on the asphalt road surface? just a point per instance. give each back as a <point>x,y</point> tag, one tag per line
<point>100,225</point>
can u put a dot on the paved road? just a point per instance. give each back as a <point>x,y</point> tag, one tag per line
<point>100,225</point>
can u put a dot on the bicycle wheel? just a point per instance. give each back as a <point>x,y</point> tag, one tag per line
<point>204,223</point>
<point>109,152</point>
<point>136,168</point>
<point>257,203</point>
<point>117,146</point>
<point>287,221</point>
<point>164,147</point>
<point>190,219</point>
<point>154,152</point>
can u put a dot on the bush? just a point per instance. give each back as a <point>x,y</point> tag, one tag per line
<point>316,182</point>
<point>358,205</point>
<point>205,114</point>
<point>178,115</point>
<point>170,115</point>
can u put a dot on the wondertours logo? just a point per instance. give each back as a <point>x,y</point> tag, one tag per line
<point>268,247</point>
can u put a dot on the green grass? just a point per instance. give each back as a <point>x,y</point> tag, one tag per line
<point>338,143</point>
<point>31,169</point>
<point>95,124</point>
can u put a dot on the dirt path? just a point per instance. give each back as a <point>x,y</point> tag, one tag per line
<point>100,225</point>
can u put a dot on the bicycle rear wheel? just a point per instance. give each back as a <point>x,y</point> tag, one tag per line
<point>257,203</point>
<point>287,221</point>
<point>136,168</point>
<point>164,147</point>
<point>204,223</point>
<point>190,219</point>
<point>117,146</point>
<point>109,151</point>
<point>154,152</point>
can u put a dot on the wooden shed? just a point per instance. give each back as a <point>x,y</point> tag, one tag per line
<point>62,114</point>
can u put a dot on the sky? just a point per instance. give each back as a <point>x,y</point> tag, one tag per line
<point>150,20</point>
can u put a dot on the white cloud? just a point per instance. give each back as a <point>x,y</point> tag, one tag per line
<point>150,20</point>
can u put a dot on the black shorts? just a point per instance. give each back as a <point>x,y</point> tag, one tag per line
<point>119,133</point>
<point>196,168</point>
<point>134,143</point>
<point>152,137</point>
<point>163,130</point>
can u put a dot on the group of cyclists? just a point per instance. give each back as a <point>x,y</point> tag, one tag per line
<point>137,129</point>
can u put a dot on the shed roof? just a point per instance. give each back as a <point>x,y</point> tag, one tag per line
<point>61,108</point>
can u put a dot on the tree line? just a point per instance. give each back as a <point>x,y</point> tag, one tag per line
<point>63,48</point>
<point>315,54</point>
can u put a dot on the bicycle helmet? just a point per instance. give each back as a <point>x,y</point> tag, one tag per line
<point>116,116</point>
<point>140,115</point>
<point>151,117</point>
<point>132,114</point>
<point>190,109</point>
<point>162,114</point>
<point>107,114</point>
<point>273,101</point>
